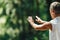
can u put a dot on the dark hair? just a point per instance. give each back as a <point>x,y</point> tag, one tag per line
<point>55,6</point>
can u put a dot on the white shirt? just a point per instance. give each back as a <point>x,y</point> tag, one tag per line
<point>55,33</point>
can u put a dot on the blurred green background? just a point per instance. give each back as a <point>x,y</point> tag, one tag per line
<point>13,19</point>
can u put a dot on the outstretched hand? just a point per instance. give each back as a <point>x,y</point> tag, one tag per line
<point>30,19</point>
<point>38,19</point>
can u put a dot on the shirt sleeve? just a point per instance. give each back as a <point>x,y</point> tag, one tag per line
<point>53,23</point>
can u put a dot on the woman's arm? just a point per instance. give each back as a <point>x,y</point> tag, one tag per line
<point>44,26</point>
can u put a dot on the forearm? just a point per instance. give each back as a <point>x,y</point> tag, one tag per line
<point>37,27</point>
<point>42,22</point>
<point>33,25</point>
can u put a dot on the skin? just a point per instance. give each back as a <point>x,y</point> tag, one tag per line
<point>44,25</point>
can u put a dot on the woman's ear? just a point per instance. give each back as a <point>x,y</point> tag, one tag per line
<point>52,11</point>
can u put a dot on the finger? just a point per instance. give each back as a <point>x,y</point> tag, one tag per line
<point>37,17</point>
<point>29,17</point>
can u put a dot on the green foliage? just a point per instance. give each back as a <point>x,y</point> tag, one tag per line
<point>13,19</point>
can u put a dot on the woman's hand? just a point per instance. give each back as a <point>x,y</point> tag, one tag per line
<point>39,20</point>
<point>30,19</point>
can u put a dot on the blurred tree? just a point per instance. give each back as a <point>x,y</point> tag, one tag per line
<point>13,19</point>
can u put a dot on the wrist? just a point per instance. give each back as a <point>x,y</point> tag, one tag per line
<point>31,22</point>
